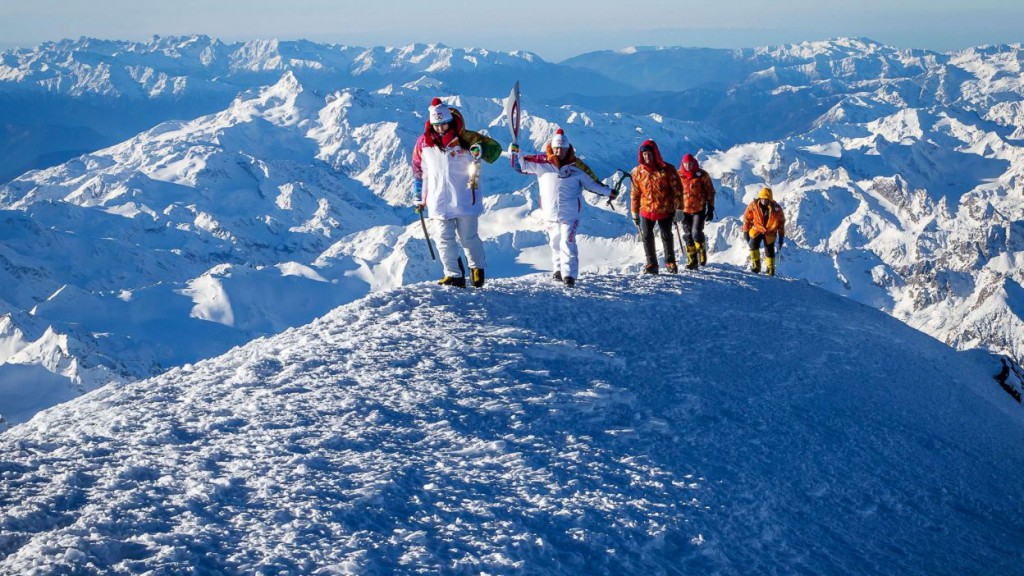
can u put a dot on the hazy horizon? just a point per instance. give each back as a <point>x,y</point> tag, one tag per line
<point>938,25</point>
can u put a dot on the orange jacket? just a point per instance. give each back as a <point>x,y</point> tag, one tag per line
<point>698,190</point>
<point>657,191</point>
<point>755,223</point>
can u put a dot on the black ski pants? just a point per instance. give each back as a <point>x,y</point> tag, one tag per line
<point>769,247</point>
<point>667,239</point>
<point>693,228</point>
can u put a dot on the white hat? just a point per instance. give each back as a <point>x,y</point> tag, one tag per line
<point>559,140</point>
<point>439,112</point>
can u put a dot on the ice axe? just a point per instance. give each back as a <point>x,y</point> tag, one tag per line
<point>426,236</point>
<point>618,186</point>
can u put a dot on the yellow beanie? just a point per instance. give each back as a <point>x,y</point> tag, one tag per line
<point>766,192</point>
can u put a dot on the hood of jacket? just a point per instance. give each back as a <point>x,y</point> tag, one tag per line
<point>658,163</point>
<point>687,158</point>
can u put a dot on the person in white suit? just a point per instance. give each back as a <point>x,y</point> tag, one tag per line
<point>446,172</point>
<point>562,179</point>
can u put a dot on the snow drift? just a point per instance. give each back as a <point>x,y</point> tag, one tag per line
<point>719,423</point>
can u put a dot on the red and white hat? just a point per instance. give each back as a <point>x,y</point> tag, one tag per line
<point>439,112</point>
<point>559,140</point>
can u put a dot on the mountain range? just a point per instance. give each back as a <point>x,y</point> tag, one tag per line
<point>192,195</point>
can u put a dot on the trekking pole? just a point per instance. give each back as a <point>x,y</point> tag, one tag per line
<point>427,236</point>
<point>679,238</point>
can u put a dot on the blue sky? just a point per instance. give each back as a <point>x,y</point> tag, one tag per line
<point>554,30</point>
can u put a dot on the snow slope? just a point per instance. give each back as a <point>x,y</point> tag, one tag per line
<point>899,171</point>
<point>197,236</point>
<point>720,424</point>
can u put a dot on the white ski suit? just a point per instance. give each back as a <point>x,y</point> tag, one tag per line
<point>451,203</point>
<point>561,203</point>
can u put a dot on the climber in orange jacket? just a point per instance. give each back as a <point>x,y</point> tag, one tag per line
<point>698,208</point>
<point>763,221</point>
<point>657,193</point>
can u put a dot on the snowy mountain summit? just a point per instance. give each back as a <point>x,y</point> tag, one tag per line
<point>721,424</point>
<point>193,195</point>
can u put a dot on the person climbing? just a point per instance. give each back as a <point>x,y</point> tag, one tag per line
<point>763,221</point>
<point>698,208</point>
<point>657,193</point>
<point>562,178</point>
<point>446,171</point>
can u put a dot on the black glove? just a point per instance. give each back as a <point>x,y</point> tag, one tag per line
<point>614,194</point>
<point>710,214</point>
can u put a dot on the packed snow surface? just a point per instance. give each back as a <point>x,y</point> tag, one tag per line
<point>712,423</point>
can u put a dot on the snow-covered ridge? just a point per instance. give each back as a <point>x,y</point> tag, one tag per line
<point>837,65</point>
<point>427,429</point>
<point>899,172</point>
<point>130,69</point>
<point>196,236</point>
<point>65,98</point>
